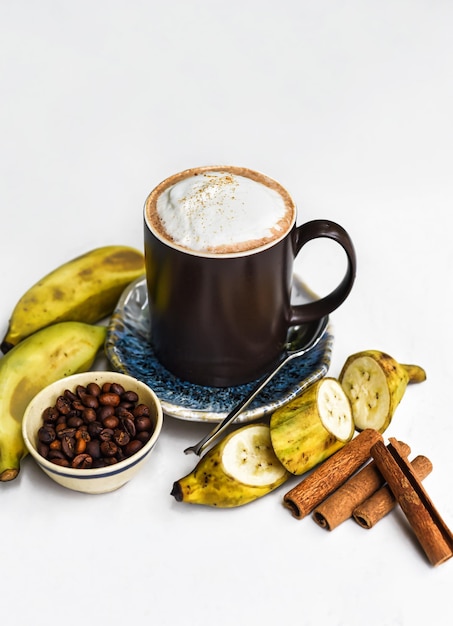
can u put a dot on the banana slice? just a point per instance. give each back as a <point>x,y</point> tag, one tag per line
<point>239,469</point>
<point>375,384</point>
<point>312,427</point>
<point>334,409</point>
<point>249,458</point>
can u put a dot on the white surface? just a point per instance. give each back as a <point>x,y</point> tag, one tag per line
<point>349,105</point>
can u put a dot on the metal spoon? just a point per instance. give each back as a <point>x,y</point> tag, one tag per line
<point>313,334</point>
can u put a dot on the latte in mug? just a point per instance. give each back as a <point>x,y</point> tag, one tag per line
<point>222,212</point>
<point>220,242</point>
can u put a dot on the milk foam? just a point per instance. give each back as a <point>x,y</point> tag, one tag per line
<point>222,212</point>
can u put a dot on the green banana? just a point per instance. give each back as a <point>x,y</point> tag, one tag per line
<point>239,469</point>
<point>375,384</point>
<point>313,426</point>
<point>85,289</point>
<point>44,357</point>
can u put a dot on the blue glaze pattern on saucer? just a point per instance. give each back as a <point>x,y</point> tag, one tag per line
<point>129,350</point>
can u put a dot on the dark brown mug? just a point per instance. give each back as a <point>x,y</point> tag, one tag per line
<point>221,319</point>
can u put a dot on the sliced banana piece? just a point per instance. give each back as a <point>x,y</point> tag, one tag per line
<point>366,386</point>
<point>239,469</point>
<point>249,458</point>
<point>312,427</point>
<point>334,409</point>
<point>375,384</point>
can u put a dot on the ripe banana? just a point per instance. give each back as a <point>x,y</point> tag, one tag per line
<point>239,469</point>
<point>375,384</point>
<point>312,427</point>
<point>85,289</point>
<point>47,355</point>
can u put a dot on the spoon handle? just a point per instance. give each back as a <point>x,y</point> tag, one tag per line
<point>223,425</point>
<point>286,356</point>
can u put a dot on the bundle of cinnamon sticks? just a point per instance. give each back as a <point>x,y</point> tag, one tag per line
<point>364,481</point>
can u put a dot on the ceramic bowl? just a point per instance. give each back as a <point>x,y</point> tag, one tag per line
<point>94,480</point>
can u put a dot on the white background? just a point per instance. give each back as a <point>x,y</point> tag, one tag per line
<point>349,104</point>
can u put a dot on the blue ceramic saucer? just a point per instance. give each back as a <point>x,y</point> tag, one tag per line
<point>129,350</point>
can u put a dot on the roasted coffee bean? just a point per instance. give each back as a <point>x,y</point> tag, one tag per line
<point>46,434</point>
<point>70,395</point>
<point>56,454</point>
<point>110,460</point>
<point>120,455</point>
<point>68,446</point>
<point>89,415</point>
<point>129,406</point>
<point>121,437</point>
<point>93,389</point>
<point>82,461</point>
<point>109,399</point>
<point>51,414</point>
<point>105,411</point>
<point>90,401</point>
<point>60,427</point>
<point>43,448</point>
<point>80,446</point>
<point>109,448</point>
<point>133,447</point>
<point>143,436</point>
<point>143,423</point>
<point>63,405</point>
<point>121,412</point>
<point>141,409</point>
<point>65,431</point>
<point>94,448</point>
<point>82,437</point>
<point>117,388</point>
<point>111,422</point>
<point>72,413</point>
<point>75,421</point>
<point>106,434</point>
<point>129,426</point>
<point>130,396</point>
<point>62,462</point>
<point>94,426</point>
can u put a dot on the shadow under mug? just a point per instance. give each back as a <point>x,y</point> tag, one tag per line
<point>222,320</point>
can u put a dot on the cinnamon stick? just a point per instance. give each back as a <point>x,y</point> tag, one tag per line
<point>339,506</point>
<point>304,497</point>
<point>378,505</point>
<point>430,529</point>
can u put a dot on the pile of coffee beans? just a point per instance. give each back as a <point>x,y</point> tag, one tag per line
<point>94,426</point>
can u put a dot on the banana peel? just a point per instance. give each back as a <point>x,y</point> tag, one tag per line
<point>85,289</point>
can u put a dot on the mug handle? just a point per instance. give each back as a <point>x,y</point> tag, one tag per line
<point>302,313</point>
